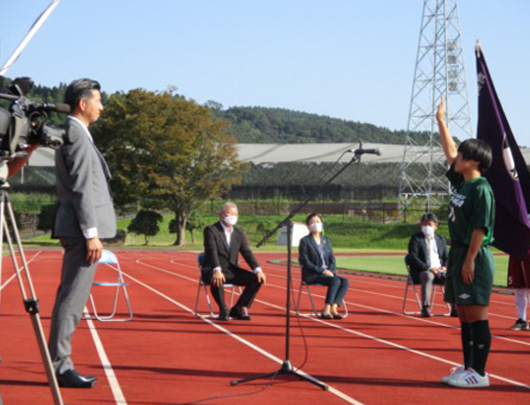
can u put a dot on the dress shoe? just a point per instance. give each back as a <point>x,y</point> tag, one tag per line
<point>237,313</point>
<point>425,313</point>
<point>337,316</point>
<point>325,316</point>
<point>223,315</point>
<point>72,379</point>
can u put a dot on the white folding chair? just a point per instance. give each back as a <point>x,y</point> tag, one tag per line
<point>410,284</point>
<point>201,261</point>
<point>315,313</point>
<point>108,258</point>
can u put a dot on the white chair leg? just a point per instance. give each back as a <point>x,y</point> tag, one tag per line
<point>311,300</point>
<point>299,297</point>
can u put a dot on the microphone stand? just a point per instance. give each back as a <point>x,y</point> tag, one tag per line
<point>287,367</point>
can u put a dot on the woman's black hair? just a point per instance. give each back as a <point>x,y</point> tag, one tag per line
<point>477,150</point>
<point>310,217</point>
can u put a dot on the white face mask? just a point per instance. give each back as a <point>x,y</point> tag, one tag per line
<point>428,231</point>
<point>231,220</point>
<point>316,227</point>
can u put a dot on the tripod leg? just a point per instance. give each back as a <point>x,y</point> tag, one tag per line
<point>31,302</point>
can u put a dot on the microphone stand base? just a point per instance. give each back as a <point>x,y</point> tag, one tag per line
<point>286,368</point>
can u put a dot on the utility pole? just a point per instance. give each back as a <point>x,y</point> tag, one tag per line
<point>440,70</point>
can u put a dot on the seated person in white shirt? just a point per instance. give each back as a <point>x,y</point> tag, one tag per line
<point>428,259</point>
<point>223,243</point>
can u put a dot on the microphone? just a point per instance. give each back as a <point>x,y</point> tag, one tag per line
<point>57,107</point>
<point>359,152</point>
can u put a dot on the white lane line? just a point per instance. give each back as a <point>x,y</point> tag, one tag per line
<point>105,362</point>
<point>369,336</point>
<point>386,282</point>
<point>413,318</point>
<point>20,268</point>
<point>331,389</point>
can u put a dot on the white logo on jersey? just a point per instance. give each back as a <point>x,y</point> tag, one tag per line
<point>464,296</point>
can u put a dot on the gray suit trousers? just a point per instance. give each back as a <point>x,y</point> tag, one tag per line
<point>76,280</point>
<point>428,280</point>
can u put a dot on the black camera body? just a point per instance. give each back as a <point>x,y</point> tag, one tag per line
<point>25,122</point>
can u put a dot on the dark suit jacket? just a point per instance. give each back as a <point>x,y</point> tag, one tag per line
<point>219,255</point>
<point>310,259</point>
<point>418,254</point>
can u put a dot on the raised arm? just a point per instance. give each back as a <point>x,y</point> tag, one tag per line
<point>448,144</point>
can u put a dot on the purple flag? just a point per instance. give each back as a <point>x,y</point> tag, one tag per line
<point>508,175</point>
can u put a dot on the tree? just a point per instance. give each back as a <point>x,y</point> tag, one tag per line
<point>166,152</point>
<point>194,222</point>
<point>145,223</point>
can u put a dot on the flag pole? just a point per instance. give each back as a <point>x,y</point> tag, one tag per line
<point>478,49</point>
<point>32,31</point>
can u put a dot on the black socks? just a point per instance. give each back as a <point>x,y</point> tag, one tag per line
<point>467,343</point>
<point>481,345</point>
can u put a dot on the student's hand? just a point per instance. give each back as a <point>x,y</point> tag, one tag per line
<point>261,277</point>
<point>468,272</point>
<point>94,250</point>
<point>218,278</point>
<point>328,273</point>
<point>440,114</point>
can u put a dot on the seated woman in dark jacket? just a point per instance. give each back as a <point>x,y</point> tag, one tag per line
<point>318,266</point>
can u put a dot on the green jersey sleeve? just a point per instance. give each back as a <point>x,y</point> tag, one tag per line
<point>483,212</point>
<point>456,179</point>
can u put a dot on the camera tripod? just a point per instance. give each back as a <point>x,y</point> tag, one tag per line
<point>31,303</point>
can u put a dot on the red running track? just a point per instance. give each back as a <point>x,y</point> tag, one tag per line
<point>166,355</point>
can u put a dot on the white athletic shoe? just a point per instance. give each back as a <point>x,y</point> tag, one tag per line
<point>469,379</point>
<point>454,371</point>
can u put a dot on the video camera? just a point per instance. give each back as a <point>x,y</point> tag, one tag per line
<point>25,122</point>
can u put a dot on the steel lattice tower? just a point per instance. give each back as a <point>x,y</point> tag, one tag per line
<point>440,70</point>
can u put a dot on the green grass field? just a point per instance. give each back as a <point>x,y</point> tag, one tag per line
<point>347,235</point>
<point>395,265</point>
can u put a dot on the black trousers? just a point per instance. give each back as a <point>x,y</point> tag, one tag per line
<point>337,287</point>
<point>236,276</point>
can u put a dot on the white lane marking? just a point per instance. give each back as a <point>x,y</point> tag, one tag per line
<point>229,333</point>
<point>20,268</point>
<point>105,362</point>
<point>365,335</point>
<point>388,283</point>
<point>413,318</point>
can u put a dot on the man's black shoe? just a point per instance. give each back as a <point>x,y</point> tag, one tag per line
<point>425,313</point>
<point>237,313</point>
<point>72,379</point>
<point>223,315</point>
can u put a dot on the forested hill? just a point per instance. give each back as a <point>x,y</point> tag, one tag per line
<point>276,125</point>
<point>272,125</point>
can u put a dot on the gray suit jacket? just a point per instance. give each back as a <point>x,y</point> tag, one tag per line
<point>82,187</point>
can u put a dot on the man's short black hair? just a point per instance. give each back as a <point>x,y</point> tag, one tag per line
<point>429,216</point>
<point>79,89</point>
<point>477,150</point>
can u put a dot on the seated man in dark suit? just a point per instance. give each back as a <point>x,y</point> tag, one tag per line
<point>428,259</point>
<point>223,243</point>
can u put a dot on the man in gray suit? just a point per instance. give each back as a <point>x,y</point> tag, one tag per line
<point>85,214</point>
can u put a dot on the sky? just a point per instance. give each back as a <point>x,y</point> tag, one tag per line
<point>349,59</point>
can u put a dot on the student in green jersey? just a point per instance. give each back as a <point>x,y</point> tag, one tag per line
<point>470,267</point>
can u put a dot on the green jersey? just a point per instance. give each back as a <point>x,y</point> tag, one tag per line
<point>472,206</point>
